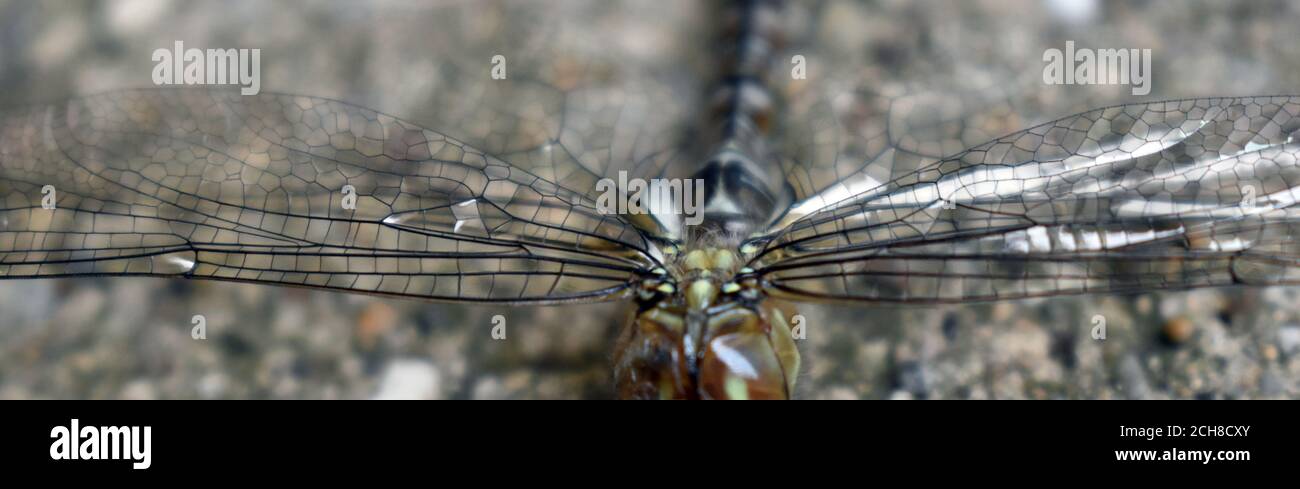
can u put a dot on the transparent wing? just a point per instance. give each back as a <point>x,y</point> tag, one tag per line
<point>292,190</point>
<point>595,92</point>
<point>1176,194</point>
<point>879,102</point>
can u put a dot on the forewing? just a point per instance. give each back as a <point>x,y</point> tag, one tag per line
<point>211,184</point>
<point>895,86</point>
<point>880,101</point>
<point>604,90</point>
<point>1177,194</point>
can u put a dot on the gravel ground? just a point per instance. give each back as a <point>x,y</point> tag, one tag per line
<point>130,338</point>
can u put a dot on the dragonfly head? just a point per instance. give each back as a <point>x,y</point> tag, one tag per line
<point>701,332</point>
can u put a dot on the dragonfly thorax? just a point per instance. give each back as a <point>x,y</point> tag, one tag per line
<point>702,331</point>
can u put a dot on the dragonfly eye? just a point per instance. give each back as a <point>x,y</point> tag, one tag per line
<point>696,260</point>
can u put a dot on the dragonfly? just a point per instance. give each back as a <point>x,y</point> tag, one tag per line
<point>863,209</point>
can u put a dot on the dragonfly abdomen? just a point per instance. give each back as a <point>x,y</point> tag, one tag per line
<point>742,106</point>
<point>743,183</point>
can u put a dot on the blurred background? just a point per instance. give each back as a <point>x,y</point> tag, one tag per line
<point>427,62</point>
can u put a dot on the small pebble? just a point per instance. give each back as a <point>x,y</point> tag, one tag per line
<point>1178,330</point>
<point>375,320</point>
<point>1288,338</point>
<point>410,379</point>
<point>1270,352</point>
